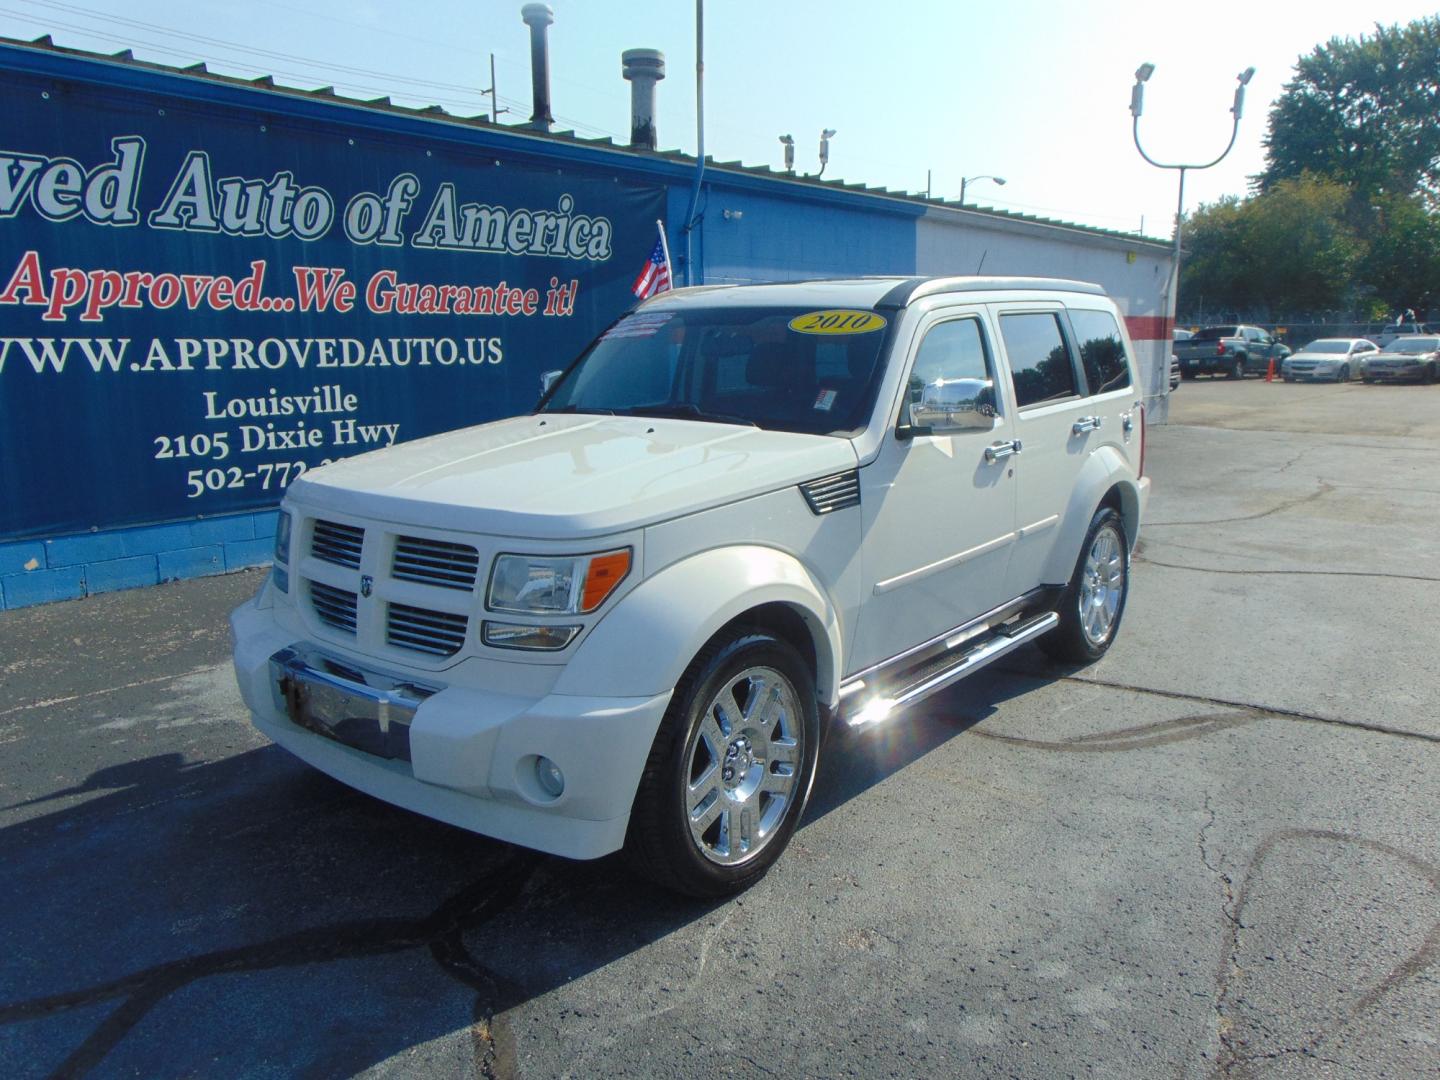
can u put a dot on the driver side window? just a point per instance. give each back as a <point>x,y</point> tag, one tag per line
<point>951,350</point>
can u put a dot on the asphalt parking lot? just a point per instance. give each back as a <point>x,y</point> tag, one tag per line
<point>1215,853</point>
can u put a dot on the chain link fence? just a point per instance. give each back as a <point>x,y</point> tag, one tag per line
<point>1297,329</point>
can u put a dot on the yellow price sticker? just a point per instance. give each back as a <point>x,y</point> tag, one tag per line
<point>837,321</point>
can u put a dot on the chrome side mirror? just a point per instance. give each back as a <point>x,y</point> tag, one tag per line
<point>549,379</point>
<point>951,405</point>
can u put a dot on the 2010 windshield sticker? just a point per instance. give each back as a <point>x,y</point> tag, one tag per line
<point>837,321</point>
<point>638,326</point>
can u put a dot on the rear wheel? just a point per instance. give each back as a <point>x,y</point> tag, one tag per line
<point>1237,369</point>
<point>731,767</point>
<point>1094,602</point>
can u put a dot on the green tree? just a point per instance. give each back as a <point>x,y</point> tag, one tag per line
<point>1366,113</point>
<point>1290,249</point>
<point>1402,265</point>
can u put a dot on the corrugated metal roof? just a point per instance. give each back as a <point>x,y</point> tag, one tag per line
<point>384,104</point>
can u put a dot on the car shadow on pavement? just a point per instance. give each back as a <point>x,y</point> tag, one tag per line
<point>154,909</point>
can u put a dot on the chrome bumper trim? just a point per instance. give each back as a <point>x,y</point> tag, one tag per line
<point>366,710</point>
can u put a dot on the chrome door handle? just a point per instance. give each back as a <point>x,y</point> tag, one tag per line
<point>1086,423</point>
<point>995,451</point>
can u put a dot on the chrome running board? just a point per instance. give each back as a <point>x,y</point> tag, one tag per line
<point>945,670</point>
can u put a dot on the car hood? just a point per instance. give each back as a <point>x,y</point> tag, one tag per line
<point>1402,356</point>
<point>555,476</point>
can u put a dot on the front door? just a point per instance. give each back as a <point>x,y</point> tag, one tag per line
<point>938,511</point>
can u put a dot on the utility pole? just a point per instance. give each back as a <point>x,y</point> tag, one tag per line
<point>495,109</point>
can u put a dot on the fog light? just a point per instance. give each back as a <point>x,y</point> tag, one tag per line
<point>549,777</point>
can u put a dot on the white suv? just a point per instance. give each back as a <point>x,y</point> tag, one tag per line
<point>743,514</point>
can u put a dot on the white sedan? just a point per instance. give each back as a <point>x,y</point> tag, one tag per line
<point>1329,359</point>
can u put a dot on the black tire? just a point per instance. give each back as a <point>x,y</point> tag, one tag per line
<point>1344,375</point>
<point>1430,375</point>
<point>1366,379</point>
<point>1186,374</point>
<point>1237,370</point>
<point>660,844</point>
<point>1071,641</point>
<point>1289,378</point>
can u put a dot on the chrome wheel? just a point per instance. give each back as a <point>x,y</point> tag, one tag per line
<point>743,765</point>
<point>1102,585</point>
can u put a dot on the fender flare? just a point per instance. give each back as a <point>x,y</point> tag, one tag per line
<point>644,645</point>
<point>1106,469</point>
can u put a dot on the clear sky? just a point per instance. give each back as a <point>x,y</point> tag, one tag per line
<point>1036,91</point>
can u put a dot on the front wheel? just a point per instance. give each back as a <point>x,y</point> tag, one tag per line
<point>1344,375</point>
<point>730,770</point>
<point>1093,603</point>
<point>1430,374</point>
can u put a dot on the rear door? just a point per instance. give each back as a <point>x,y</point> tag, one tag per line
<point>1073,387</point>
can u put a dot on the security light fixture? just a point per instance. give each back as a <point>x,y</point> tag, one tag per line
<point>788,141</point>
<point>825,136</point>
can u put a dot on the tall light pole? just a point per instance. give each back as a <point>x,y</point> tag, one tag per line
<point>964,180</point>
<point>1137,106</point>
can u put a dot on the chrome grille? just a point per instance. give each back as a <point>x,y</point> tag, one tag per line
<point>439,633</point>
<point>830,493</point>
<point>336,543</point>
<point>435,562</point>
<point>334,607</point>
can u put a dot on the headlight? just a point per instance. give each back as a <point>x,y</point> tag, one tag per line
<point>282,537</point>
<point>547,585</point>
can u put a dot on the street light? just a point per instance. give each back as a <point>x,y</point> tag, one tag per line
<point>972,179</point>
<point>1137,106</point>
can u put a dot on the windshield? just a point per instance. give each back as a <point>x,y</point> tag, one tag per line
<point>1327,345</point>
<point>1214,333</point>
<point>782,369</point>
<point>1414,345</point>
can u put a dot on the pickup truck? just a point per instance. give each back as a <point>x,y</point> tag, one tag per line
<point>1232,351</point>
<point>743,515</point>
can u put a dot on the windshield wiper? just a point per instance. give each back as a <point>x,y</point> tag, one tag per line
<point>685,411</point>
<point>580,409</point>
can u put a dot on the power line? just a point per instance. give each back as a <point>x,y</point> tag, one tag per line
<point>307,76</point>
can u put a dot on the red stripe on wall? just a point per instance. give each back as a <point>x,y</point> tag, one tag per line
<point>1149,327</point>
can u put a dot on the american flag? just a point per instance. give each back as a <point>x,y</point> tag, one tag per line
<point>654,277</point>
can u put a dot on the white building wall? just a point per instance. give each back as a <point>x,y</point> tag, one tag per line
<point>1134,272</point>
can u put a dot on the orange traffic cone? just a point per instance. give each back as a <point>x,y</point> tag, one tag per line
<point>1270,372</point>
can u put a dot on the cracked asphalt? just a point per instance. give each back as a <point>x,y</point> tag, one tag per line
<point>1214,854</point>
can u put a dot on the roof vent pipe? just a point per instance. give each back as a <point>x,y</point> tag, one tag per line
<point>643,68</point>
<point>538,17</point>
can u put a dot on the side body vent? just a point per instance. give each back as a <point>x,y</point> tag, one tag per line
<point>336,543</point>
<point>830,493</point>
<point>435,562</point>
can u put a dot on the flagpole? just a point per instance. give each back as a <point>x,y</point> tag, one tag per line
<point>665,247</point>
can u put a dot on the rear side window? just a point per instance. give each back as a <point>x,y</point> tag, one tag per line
<point>1102,350</point>
<point>1039,358</point>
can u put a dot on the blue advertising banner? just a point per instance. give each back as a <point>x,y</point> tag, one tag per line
<point>198,302</point>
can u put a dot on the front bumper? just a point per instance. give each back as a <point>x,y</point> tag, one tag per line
<point>471,751</point>
<point>1313,374</point>
<point>1406,374</point>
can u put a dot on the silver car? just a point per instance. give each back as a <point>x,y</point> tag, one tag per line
<point>1328,359</point>
<point>1413,358</point>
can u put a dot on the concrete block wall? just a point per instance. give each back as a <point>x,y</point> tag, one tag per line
<point>69,567</point>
